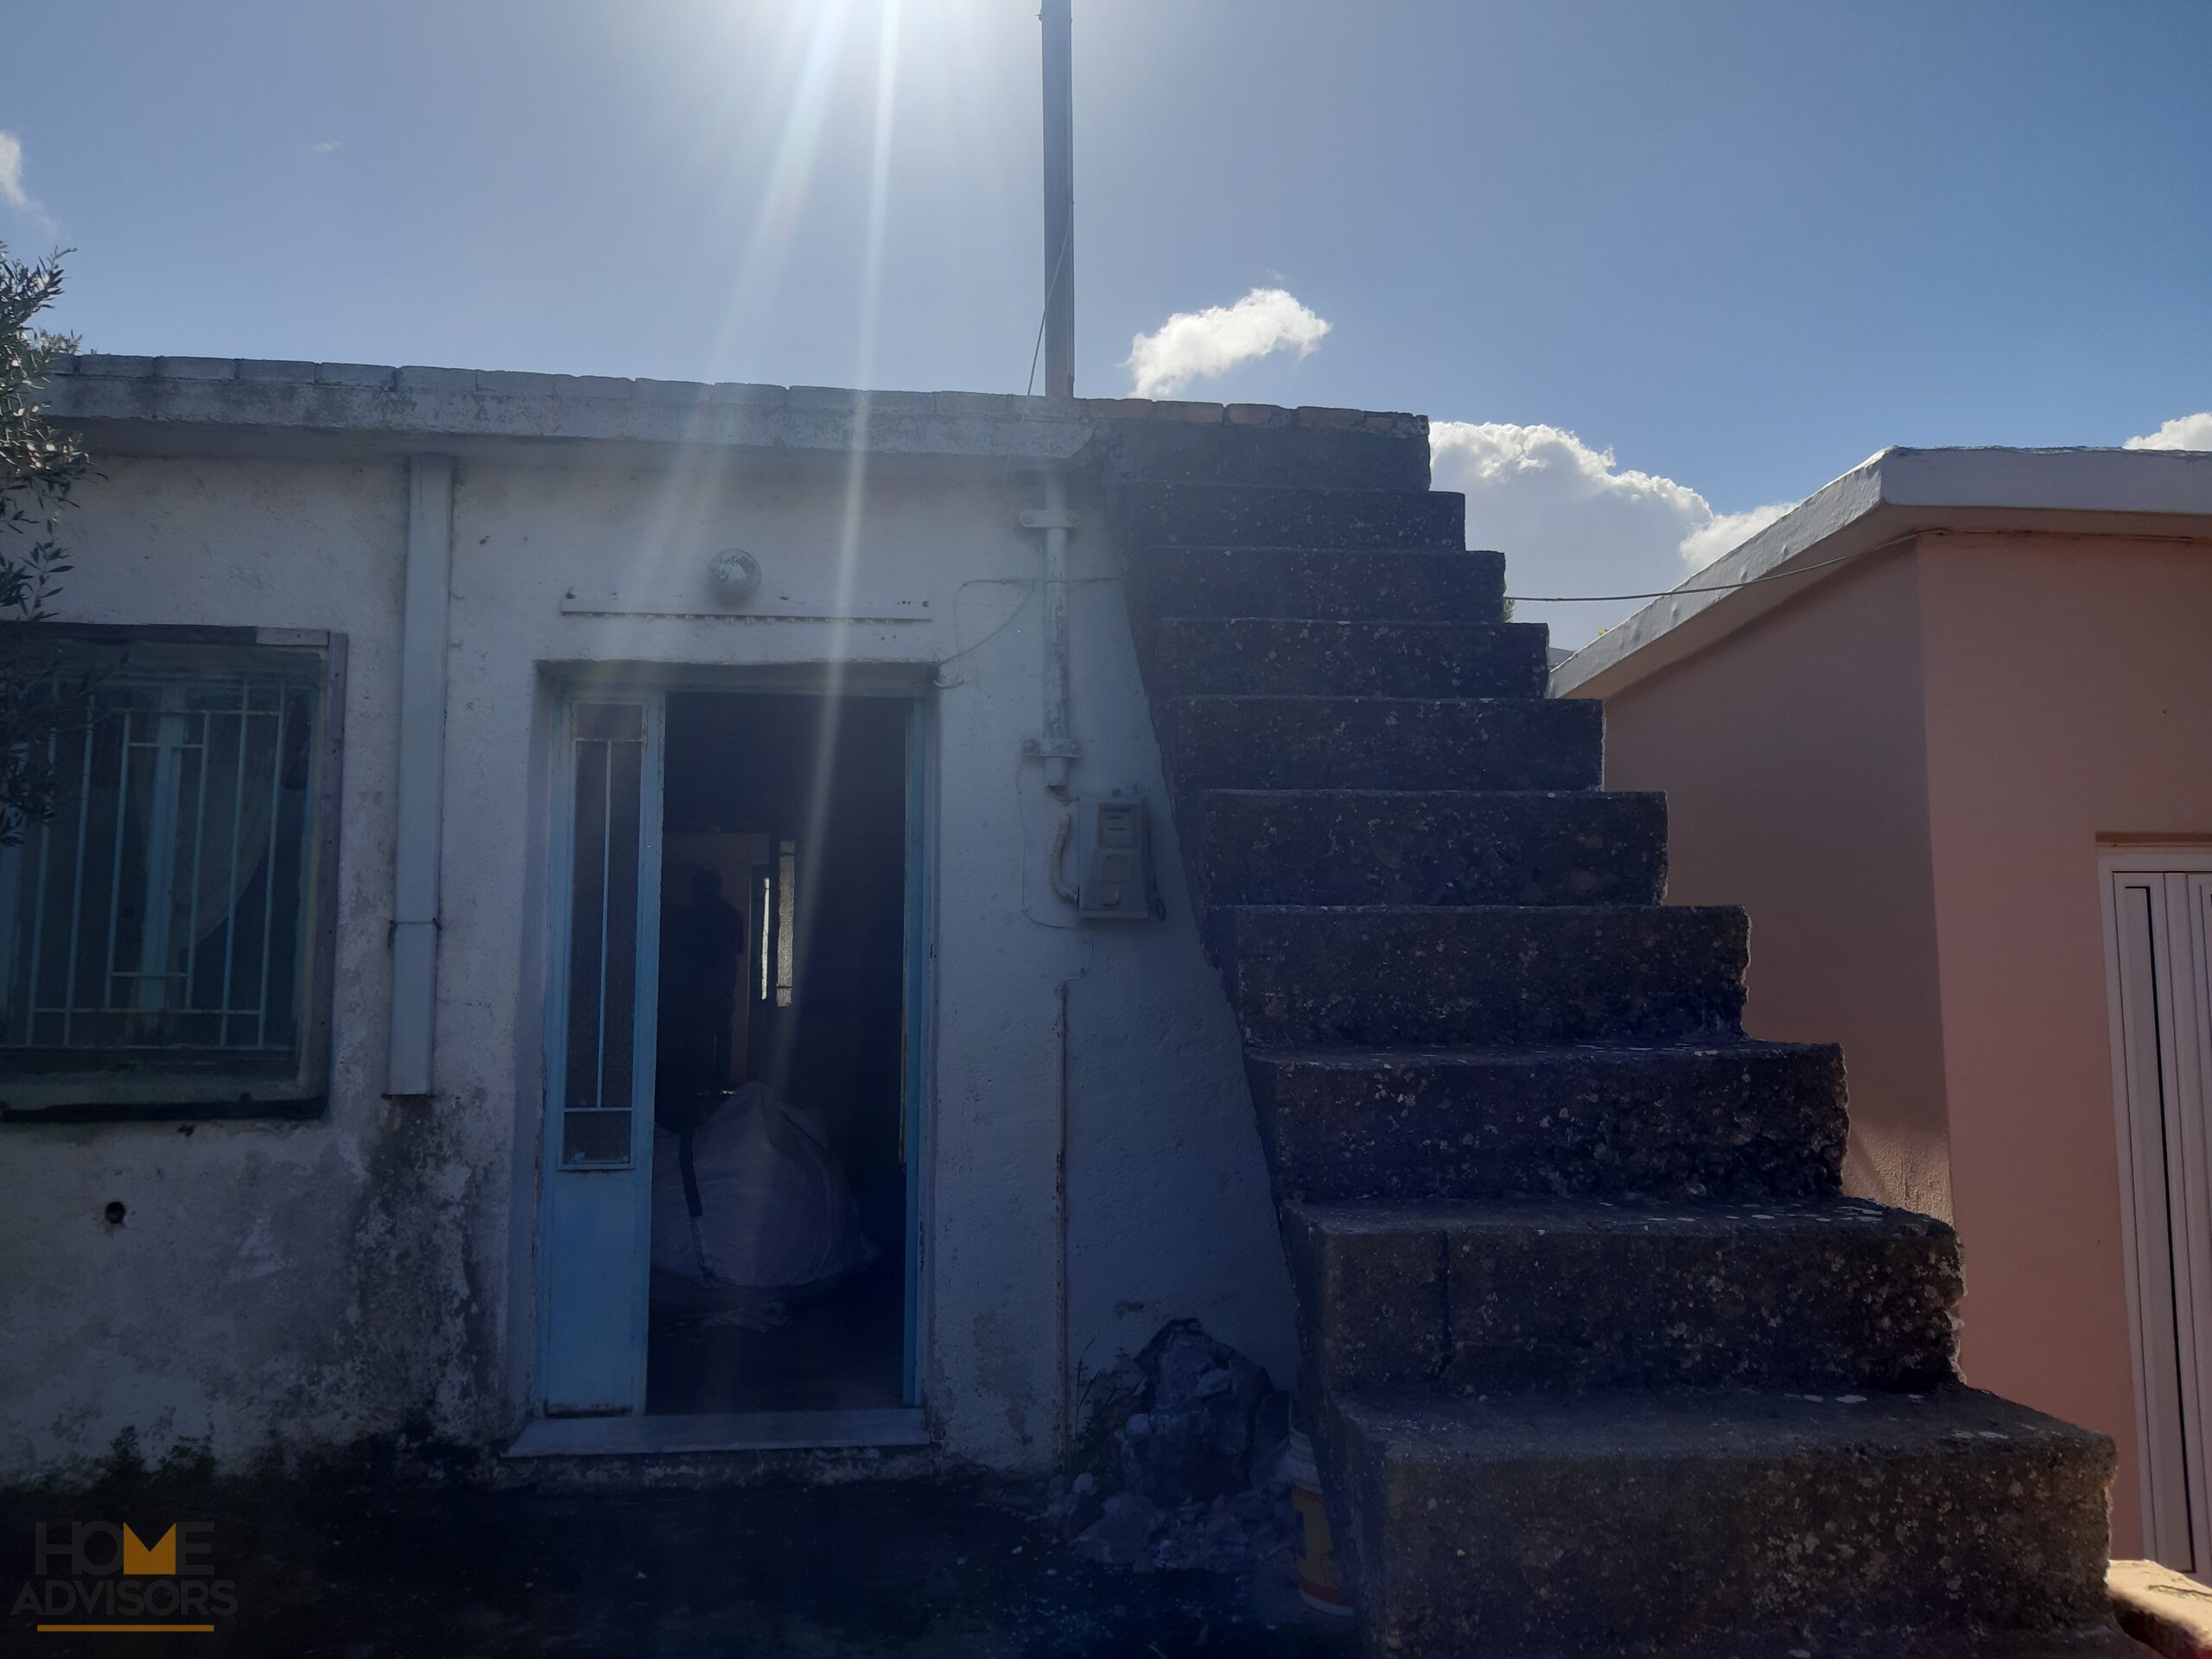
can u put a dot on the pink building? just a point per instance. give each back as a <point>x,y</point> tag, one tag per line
<point>1956,759</point>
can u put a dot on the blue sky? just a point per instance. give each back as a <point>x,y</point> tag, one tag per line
<point>1736,246</point>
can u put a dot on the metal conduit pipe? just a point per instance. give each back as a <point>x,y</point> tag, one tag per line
<point>1056,635</point>
<point>1057,746</point>
<point>420,809</point>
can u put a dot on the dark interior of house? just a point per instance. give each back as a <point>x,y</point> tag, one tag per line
<point>779,1227</point>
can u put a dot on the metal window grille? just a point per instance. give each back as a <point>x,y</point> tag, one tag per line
<point>786,922</point>
<point>607,752</point>
<point>160,919</point>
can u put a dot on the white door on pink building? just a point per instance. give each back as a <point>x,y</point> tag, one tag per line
<point>2160,957</point>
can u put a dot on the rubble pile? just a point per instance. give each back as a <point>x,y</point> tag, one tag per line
<point>1181,1467</point>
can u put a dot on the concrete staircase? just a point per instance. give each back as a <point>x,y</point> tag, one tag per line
<point>1598,1358</point>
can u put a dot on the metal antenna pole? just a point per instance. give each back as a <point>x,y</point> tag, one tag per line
<point>1059,200</point>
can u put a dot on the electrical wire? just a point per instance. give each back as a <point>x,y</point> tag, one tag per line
<point>1027,584</point>
<point>1668,593</point>
<point>1044,317</point>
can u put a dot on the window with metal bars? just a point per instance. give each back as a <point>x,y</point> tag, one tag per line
<point>164,935</point>
<point>608,747</point>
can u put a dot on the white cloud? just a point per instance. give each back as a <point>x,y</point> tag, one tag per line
<point>1192,345</point>
<point>2182,432</point>
<point>1727,532</point>
<point>324,146</point>
<point>11,181</point>
<point>1572,520</point>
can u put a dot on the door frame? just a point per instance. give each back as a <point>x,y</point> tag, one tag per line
<point>918,1015</point>
<point>2164,1119</point>
<point>918,1031</point>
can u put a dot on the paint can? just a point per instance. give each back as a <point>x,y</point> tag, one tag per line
<point>1320,1586</point>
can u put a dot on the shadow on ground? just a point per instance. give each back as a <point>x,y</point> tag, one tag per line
<point>921,1568</point>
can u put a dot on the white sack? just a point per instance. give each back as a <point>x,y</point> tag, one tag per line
<point>776,1212</point>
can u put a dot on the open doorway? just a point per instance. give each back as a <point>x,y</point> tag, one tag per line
<point>780,1226</point>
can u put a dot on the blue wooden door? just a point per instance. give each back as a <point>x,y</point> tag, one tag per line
<point>604,933</point>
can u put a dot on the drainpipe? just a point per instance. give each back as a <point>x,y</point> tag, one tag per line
<point>420,811</point>
<point>1057,748</point>
<point>1064,1394</point>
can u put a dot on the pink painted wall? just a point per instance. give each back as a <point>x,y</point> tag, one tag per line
<point>2069,698</point>
<point>1905,776</point>
<point>1790,755</point>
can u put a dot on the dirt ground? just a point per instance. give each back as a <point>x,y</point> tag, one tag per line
<point>912,1568</point>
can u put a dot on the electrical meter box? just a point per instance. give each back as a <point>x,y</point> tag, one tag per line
<point>1113,851</point>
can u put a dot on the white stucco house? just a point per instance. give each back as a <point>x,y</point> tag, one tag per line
<point>436,713</point>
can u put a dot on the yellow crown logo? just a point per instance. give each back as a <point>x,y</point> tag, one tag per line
<point>149,1559</point>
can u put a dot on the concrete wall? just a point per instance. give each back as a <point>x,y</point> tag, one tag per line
<point>267,1273</point>
<point>287,1287</point>
<point>1906,774</point>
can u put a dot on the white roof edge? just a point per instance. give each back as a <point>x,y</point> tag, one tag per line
<point>377,404</point>
<point>1890,496</point>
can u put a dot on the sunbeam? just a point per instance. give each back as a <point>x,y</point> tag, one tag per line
<point>691,489</point>
<point>855,503</point>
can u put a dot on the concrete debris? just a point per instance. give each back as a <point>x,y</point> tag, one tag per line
<point>1189,1477</point>
<point>1193,1440</point>
<point>1125,1526</point>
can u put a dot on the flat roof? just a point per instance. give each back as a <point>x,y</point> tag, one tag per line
<point>222,404</point>
<point>1886,499</point>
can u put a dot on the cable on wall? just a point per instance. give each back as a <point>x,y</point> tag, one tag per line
<point>1668,593</point>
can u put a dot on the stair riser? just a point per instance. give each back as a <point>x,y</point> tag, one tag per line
<point>1785,1304</point>
<point>1375,978</point>
<point>1341,847</point>
<point>1379,743</point>
<point>1446,586</point>
<point>1249,656</point>
<point>1200,515</point>
<point>1825,1552</point>
<point>1767,1123</point>
<point>1296,457</point>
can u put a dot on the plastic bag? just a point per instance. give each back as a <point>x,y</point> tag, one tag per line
<point>775,1213</point>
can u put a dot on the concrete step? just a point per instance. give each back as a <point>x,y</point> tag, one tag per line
<point>1236,515</point>
<point>1717,1524</point>
<point>1506,1294</point>
<point>1427,847</point>
<point>1348,586</point>
<point>1301,657</point>
<point>1744,1120</point>
<point>1378,975</point>
<point>1385,454</point>
<point>2168,1611</point>
<point>1483,743</point>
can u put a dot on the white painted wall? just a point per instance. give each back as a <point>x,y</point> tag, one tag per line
<point>262,1285</point>
<point>284,1288</point>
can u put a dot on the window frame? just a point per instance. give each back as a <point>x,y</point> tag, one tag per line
<point>311,1097</point>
